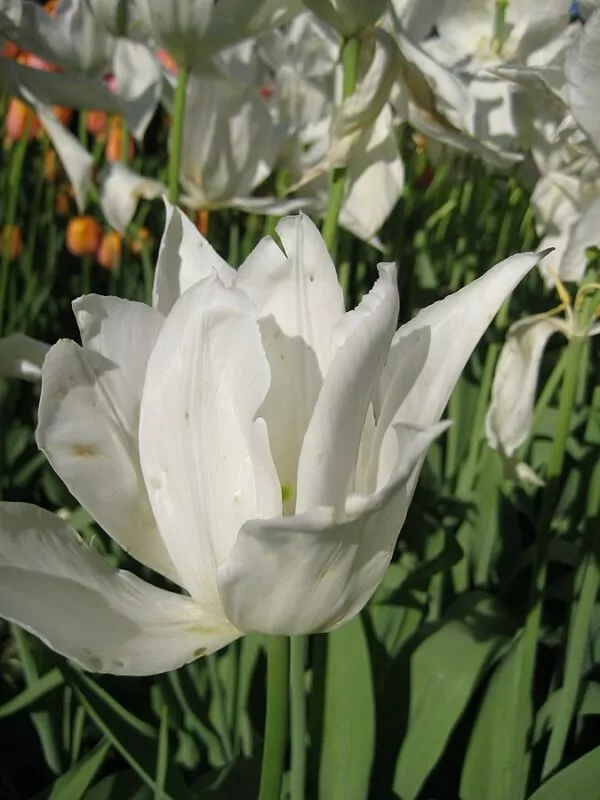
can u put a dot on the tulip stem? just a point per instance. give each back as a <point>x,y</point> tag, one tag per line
<point>350,56</point>
<point>177,135</point>
<point>549,499</point>
<point>299,652</point>
<point>273,762</point>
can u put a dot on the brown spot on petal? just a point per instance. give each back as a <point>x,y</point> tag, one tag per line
<point>85,450</point>
<point>199,652</point>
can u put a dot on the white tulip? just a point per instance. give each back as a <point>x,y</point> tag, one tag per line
<point>71,38</point>
<point>230,145</point>
<point>246,437</point>
<point>195,30</point>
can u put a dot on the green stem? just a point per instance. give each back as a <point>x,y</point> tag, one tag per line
<point>299,653</point>
<point>549,499</point>
<point>177,135</point>
<point>12,199</point>
<point>350,55</point>
<point>468,474</point>
<point>219,701</point>
<point>550,388</point>
<point>273,762</point>
<point>586,584</point>
<point>500,24</point>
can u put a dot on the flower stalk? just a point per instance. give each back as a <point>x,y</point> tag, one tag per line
<point>350,57</point>
<point>500,24</point>
<point>177,134</point>
<point>273,763</point>
<point>574,358</point>
<point>298,657</point>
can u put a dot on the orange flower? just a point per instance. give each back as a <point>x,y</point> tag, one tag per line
<point>202,221</point>
<point>95,123</point>
<point>83,236</point>
<point>64,114</point>
<point>11,241</point>
<point>50,7</point>
<point>20,120</point>
<point>167,61</point>
<point>114,143</point>
<point>109,252</point>
<point>139,238</point>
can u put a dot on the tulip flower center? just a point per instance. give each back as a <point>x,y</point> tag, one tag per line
<point>287,493</point>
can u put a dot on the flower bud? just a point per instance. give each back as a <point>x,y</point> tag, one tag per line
<point>109,252</point>
<point>83,236</point>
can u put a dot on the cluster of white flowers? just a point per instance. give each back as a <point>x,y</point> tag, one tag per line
<point>507,81</point>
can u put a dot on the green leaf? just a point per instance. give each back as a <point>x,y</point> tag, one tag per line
<point>493,769</point>
<point>445,669</point>
<point>349,719</point>
<point>74,784</point>
<point>589,706</point>
<point>135,740</point>
<point>120,786</point>
<point>578,781</point>
<point>47,683</point>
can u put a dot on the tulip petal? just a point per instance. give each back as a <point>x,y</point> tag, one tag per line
<point>330,449</point>
<point>297,285</point>
<point>230,142</point>
<point>184,258</point>
<point>76,160</point>
<point>298,302</point>
<point>439,342</point>
<point>106,620</point>
<point>583,235</point>
<point>205,456</point>
<point>313,572</point>
<point>375,179</point>
<point>22,357</point>
<point>582,70</point>
<point>508,421</point>
<point>89,416</point>
<point>122,189</point>
<point>58,88</point>
<point>139,83</point>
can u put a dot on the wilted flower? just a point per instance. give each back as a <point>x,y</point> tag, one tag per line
<point>246,437</point>
<point>510,415</point>
<point>122,189</point>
